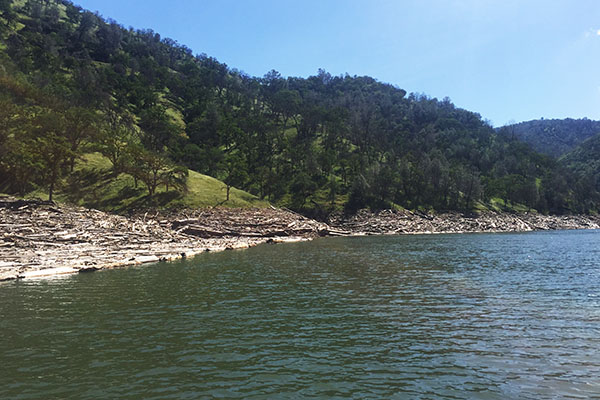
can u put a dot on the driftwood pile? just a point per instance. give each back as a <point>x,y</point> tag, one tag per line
<point>244,223</point>
<point>37,235</point>
<point>39,238</point>
<point>407,222</point>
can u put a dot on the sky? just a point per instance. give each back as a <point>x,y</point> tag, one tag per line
<point>508,60</point>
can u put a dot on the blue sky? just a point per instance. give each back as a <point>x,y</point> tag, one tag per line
<point>509,60</point>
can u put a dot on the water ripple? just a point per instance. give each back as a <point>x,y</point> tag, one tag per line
<point>436,317</point>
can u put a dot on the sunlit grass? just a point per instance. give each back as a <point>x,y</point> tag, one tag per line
<point>93,184</point>
<point>497,204</point>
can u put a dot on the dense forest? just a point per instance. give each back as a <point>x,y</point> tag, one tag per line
<point>554,137</point>
<point>584,160</point>
<point>73,82</point>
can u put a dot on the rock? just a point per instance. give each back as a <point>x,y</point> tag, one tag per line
<point>366,222</point>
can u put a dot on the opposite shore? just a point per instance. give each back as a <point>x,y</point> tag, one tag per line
<point>41,239</point>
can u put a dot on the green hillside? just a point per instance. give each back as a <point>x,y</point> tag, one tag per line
<point>584,160</point>
<point>73,84</point>
<point>93,184</point>
<point>554,137</point>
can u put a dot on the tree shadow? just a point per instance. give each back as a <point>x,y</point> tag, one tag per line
<point>81,185</point>
<point>159,200</point>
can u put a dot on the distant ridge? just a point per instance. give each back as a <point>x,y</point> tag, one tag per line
<point>553,137</point>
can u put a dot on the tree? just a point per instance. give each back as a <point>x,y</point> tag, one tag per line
<point>334,188</point>
<point>8,114</point>
<point>176,178</point>
<point>382,178</point>
<point>113,140</point>
<point>281,138</point>
<point>154,169</point>
<point>301,187</point>
<point>359,195</point>
<point>468,182</point>
<point>19,166</point>
<point>157,128</point>
<point>146,166</point>
<point>81,124</point>
<point>18,163</point>
<point>7,14</point>
<point>234,172</point>
<point>50,146</point>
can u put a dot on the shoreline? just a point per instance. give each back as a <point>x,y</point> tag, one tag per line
<point>389,222</point>
<point>40,239</point>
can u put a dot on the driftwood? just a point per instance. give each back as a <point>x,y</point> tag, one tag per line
<point>396,222</point>
<point>244,223</point>
<point>39,238</point>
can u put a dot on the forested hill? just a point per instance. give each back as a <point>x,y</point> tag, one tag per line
<point>554,137</point>
<point>73,82</point>
<point>584,160</point>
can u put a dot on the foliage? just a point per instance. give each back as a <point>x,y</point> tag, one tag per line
<point>554,137</point>
<point>318,143</point>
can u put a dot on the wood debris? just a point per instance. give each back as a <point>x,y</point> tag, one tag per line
<point>37,237</point>
<point>407,222</point>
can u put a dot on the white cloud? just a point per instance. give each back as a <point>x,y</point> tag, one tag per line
<point>591,33</point>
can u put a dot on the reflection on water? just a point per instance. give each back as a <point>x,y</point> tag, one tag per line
<point>490,316</point>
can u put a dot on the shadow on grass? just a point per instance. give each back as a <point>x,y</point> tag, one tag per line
<point>159,200</point>
<point>119,202</point>
<point>83,186</point>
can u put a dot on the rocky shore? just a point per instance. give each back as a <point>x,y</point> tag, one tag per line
<point>39,239</point>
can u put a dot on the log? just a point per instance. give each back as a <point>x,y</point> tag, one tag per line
<point>42,273</point>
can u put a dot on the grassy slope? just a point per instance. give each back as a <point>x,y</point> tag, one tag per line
<point>94,185</point>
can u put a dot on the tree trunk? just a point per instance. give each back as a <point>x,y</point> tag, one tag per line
<point>51,190</point>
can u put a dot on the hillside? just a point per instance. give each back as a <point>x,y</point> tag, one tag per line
<point>553,137</point>
<point>584,160</point>
<point>74,84</point>
<point>94,185</point>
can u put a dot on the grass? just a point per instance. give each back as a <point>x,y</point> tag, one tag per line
<point>497,204</point>
<point>171,109</point>
<point>94,185</point>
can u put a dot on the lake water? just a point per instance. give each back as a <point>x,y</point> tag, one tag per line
<point>474,316</point>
